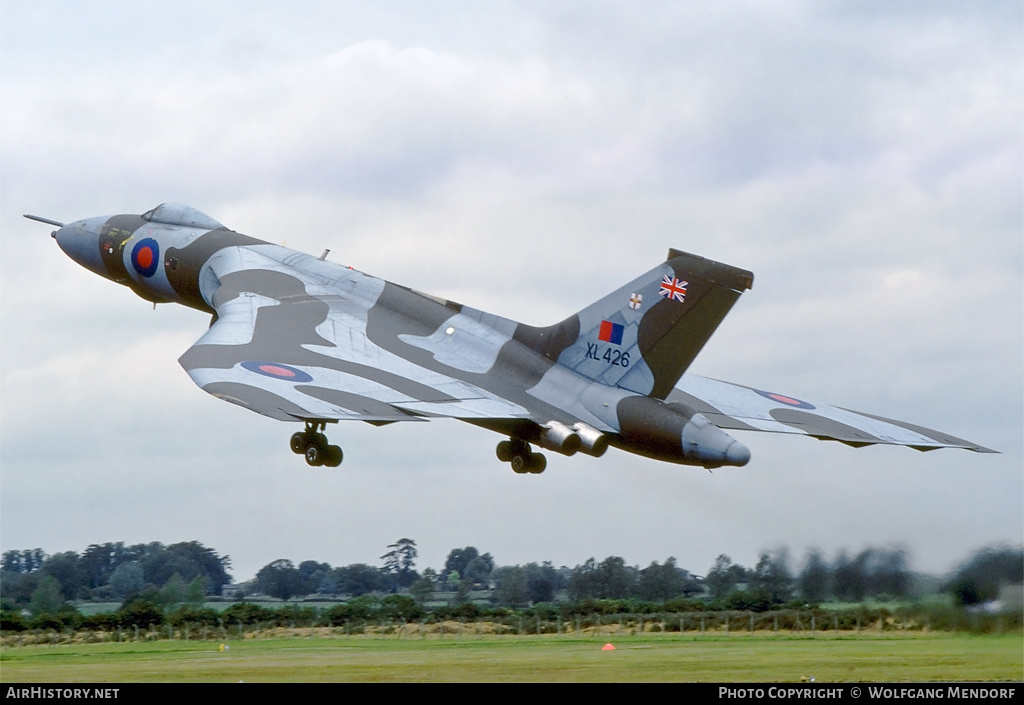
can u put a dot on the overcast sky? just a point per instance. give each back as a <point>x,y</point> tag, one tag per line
<point>863,159</point>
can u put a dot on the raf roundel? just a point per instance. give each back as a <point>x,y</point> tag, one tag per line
<point>276,370</point>
<point>783,399</point>
<point>145,256</point>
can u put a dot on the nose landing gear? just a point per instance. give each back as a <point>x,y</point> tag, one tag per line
<point>313,444</point>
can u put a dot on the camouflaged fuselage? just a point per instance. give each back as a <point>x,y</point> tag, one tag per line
<point>299,338</point>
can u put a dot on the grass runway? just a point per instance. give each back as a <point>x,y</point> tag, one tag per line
<point>657,658</point>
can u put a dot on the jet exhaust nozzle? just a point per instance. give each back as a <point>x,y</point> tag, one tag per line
<point>560,438</point>
<point>594,443</point>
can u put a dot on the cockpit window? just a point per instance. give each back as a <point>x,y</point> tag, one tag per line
<point>177,214</point>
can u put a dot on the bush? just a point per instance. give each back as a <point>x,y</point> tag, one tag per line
<point>246,614</point>
<point>400,608</point>
<point>139,613</point>
<point>294,615</point>
<point>201,616</point>
<point>12,621</point>
<point>100,622</point>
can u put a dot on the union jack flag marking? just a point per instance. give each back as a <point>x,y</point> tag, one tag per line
<point>672,288</point>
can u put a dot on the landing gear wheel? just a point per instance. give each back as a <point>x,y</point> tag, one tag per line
<point>504,451</point>
<point>520,463</point>
<point>314,445</point>
<point>537,463</point>
<point>517,453</point>
<point>333,456</point>
<point>315,456</point>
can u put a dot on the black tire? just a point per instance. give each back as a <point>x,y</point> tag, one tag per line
<point>521,463</point>
<point>504,451</point>
<point>315,455</point>
<point>537,463</point>
<point>333,456</point>
<point>298,443</point>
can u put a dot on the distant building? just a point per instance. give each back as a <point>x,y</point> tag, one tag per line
<point>232,591</point>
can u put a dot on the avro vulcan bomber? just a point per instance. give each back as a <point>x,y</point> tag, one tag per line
<point>308,341</point>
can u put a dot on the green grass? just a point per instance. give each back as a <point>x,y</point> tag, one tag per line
<point>664,657</point>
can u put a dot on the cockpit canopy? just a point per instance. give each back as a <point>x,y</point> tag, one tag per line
<point>177,214</point>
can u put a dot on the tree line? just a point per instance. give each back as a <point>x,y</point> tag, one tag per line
<point>873,573</point>
<point>158,582</point>
<point>114,571</point>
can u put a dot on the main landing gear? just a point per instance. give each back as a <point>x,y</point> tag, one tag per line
<point>523,460</point>
<point>313,444</point>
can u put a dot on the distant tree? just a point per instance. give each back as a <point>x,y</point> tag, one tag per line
<point>724,577</point>
<point>478,569</point>
<point>423,588</point>
<point>47,598</point>
<point>461,592</point>
<point>23,561</point>
<point>542,582</point>
<point>609,579</point>
<point>980,579</point>
<point>10,562</point>
<point>616,579</point>
<point>17,588</point>
<point>279,579</point>
<point>662,582</point>
<point>100,560</point>
<point>772,577</point>
<point>329,583</point>
<point>399,561</point>
<point>173,591</point>
<point>67,569</point>
<point>195,593</point>
<point>127,579</point>
<point>814,578</point>
<point>188,559</point>
<point>458,559</point>
<point>511,586</point>
<point>889,575</point>
<point>850,577</point>
<point>32,559</point>
<point>312,575</point>
<point>583,581</point>
<point>359,579</point>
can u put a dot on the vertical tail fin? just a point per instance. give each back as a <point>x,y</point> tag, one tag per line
<point>643,336</point>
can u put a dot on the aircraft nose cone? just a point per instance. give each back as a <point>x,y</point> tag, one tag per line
<point>81,242</point>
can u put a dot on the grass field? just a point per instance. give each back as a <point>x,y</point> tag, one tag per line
<point>720,658</point>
